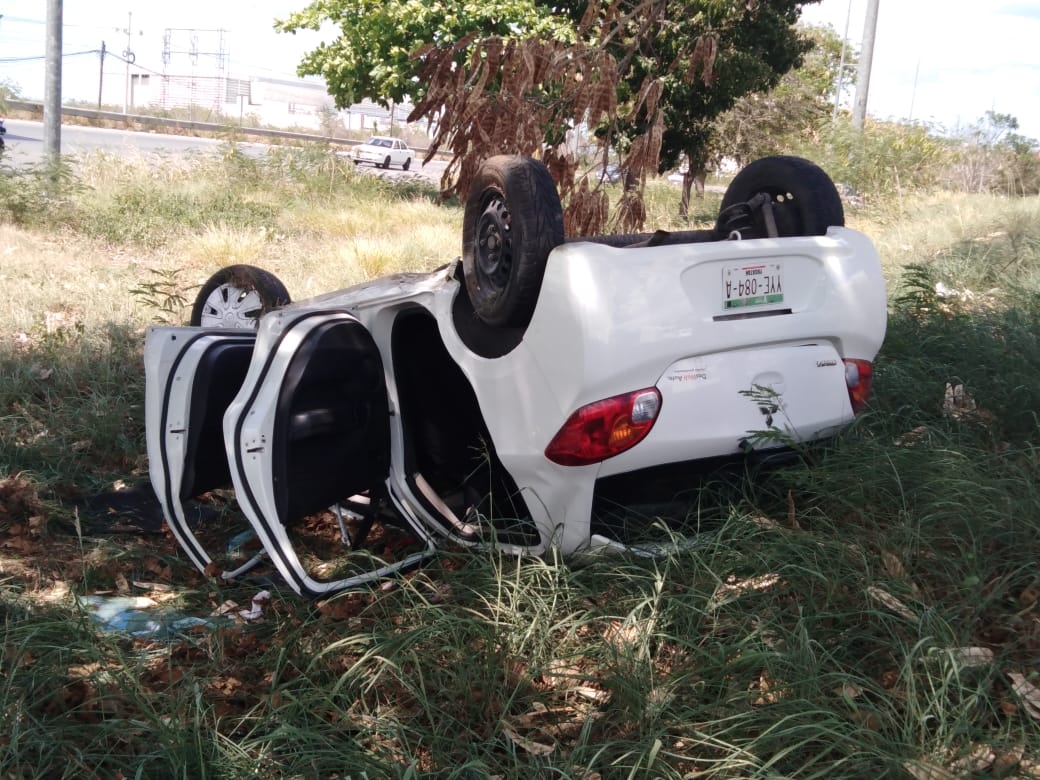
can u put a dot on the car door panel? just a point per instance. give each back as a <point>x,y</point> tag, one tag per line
<point>309,429</point>
<point>191,376</point>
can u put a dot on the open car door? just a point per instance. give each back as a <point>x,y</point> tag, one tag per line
<point>308,442</point>
<point>191,375</point>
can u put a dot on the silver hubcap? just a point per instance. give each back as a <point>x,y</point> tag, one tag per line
<point>232,307</point>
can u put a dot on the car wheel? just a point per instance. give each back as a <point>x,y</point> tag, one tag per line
<point>513,220</point>
<point>386,163</point>
<point>796,195</point>
<point>236,296</point>
<point>407,164</point>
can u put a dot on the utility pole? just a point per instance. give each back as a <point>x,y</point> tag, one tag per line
<point>101,76</point>
<point>129,58</point>
<point>913,94</point>
<point>841,64</point>
<point>866,57</point>
<point>52,83</point>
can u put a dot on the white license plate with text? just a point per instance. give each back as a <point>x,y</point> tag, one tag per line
<point>753,284</point>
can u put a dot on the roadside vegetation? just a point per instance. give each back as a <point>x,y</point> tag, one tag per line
<point>872,611</point>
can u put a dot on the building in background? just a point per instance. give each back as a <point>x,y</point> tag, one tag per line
<point>188,72</point>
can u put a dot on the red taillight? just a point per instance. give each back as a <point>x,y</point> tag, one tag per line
<point>605,428</point>
<point>859,376</point>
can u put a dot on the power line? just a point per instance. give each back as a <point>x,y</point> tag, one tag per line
<point>115,56</point>
<point>44,56</point>
<point>23,20</point>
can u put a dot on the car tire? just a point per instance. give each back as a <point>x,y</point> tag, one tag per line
<point>237,296</point>
<point>407,164</point>
<point>803,199</point>
<point>386,164</point>
<point>512,221</point>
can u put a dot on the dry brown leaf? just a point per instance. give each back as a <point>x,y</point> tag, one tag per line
<point>1028,693</point>
<point>979,760</point>
<point>734,588</point>
<point>344,606</point>
<point>968,657</point>
<point>596,695</point>
<point>1008,758</point>
<point>792,516</point>
<point>20,544</point>
<point>890,601</point>
<point>916,436</point>
<point>893,566</point>
<point>849,691</point>
<point>1029,596</point>
<point>920,770</point>
<point>769,692</point>
<point>622,635</point>
<point>532,747</point>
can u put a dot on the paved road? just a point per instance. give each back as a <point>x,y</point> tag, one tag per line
<point>25,146</point>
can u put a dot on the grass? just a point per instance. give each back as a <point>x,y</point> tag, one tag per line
<point>859,614</point>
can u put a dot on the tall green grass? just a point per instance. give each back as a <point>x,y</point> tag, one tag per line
<point>856,614</point>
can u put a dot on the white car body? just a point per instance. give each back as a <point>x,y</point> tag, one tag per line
<point>608,321</point>
<point>383,151</point>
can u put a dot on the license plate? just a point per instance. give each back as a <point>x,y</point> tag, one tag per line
<point>756,284</point>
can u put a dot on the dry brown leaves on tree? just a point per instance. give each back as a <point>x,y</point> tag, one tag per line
<point>520,96</point>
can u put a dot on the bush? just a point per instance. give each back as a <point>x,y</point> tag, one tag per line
<point>882,159</point>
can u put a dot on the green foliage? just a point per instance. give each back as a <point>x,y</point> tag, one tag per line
<point>9,90</point>
<point>164,295</point>
<point>816,622</point>
<point>652,104</point>
<point>755,49</point>
<point>800,106</point>
<point>993,157</point>
<point>372,55</point>
<point>71,404</point>
<point>34,195</point>
<point>885,159</point>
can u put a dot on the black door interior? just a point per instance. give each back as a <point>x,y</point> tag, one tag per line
<point>331,435</point>
<point>218,377</point>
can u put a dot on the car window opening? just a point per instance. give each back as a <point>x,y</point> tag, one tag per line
<point>452,466</point>
<point>331,439</point>
<point>218,377</point>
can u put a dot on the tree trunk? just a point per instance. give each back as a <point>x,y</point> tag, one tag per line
<point>691,181</point>
<point>698,182</point>
<point>684,200</point>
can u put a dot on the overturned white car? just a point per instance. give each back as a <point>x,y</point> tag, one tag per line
<point>531,395</point>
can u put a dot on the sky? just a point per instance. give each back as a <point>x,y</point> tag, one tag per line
<point>947,62</point>
<point>249,44</point>
<point>944,62</point>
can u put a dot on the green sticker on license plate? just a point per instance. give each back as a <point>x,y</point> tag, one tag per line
<point>752,284</point>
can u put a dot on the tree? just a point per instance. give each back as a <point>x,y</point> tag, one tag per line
<point>515,76</point>
<point>994,157</point>
<point>801,105</point>
<point>757,44</point>
<point>372,55</point>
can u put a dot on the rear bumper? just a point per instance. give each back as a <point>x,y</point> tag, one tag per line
<point>651,506</point>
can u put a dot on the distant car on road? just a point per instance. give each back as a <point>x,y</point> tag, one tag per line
<point>383,152</point>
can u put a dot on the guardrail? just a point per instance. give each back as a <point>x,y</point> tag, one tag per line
<point>128,120</point>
